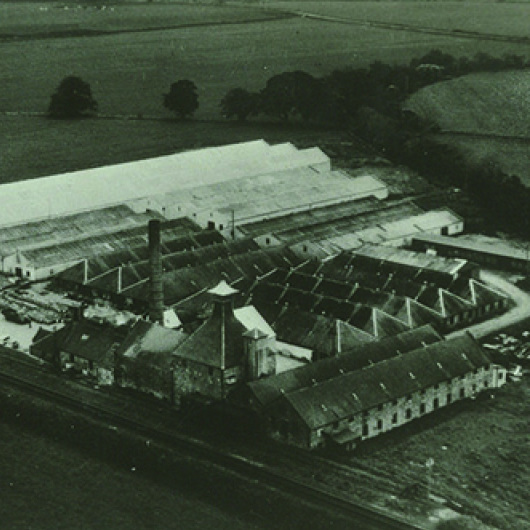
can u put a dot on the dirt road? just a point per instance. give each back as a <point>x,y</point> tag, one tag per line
<point>521,311</point>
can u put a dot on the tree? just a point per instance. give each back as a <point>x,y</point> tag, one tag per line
<point>240,103</point>
<point>292,93</point>
<point>182,98</point>
<point>72,99</point>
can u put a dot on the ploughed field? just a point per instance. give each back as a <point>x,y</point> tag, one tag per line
<point>487,115</point>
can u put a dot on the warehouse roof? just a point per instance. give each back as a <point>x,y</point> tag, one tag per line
<point>318,333</point>
<point>354,392</point>
<point>415,260</point>
<point>98,245</point>
<point>486,245</point>
<point>279,193</point>
<point>81,190</point>
<point>57,230</point>
<point>269,389</point>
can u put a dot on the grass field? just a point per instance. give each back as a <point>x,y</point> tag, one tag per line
<point>45,485</point>
<point>487,17</point>
<point>36,147</point>
<point>494,104</point>
<point>28,19</point>
<point>129,72</point>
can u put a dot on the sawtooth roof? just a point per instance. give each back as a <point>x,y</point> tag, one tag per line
<point>269,389</point>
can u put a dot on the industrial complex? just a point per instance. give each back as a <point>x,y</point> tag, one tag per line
<point>255,275</point>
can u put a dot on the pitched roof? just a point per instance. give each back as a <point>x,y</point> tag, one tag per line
<point>271,388</point>
<point>312,331</point>
<point>354,392</point>
<point>217,342</point>
<point>250,317</point>
<point>150,339</point>
<point>88,339</point>
<point>395,257</point>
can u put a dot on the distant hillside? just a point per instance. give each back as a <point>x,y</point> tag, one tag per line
<point>487,115</point>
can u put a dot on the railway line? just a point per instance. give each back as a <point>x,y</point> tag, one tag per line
<point>362,517</point>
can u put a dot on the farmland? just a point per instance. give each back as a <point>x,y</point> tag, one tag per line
<point>130,62</point>
<point>493,112</point>
<point>128,72</point>
<point>491,17</point>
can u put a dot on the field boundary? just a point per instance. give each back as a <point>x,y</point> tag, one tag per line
<point>484,136</point>
<point>377,24</point>
<point>106,33</point>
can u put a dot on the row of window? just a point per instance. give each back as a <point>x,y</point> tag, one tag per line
<point>423,408</point>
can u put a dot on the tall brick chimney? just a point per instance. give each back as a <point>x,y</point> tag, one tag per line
<point>156,292</point>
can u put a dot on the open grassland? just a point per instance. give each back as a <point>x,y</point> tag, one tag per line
<point>31,19</point>
<point>36,147</point>
<point>45,485</point>
<point>483,17</point>
<point>486,103</point>
<point>129,72</point>
<point>490,108</point>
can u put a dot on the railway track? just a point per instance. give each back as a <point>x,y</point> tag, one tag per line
<point>249,469</point>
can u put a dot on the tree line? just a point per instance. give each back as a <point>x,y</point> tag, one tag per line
<point>297,95</point>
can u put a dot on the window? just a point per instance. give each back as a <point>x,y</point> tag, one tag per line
<point>28,274</point>
<point>422,408</point>
<point>267,240</point>
<point>462,392</point>
<point>501,375</point>
<point>408,414</point>
<point>449,398</point>
<point>379,424</point>
<point>436,403</point>
<point>474,387</point>
<point>220,227</point>
<point>394,418</point>
<point>486,384</point>
<point>366,430</point>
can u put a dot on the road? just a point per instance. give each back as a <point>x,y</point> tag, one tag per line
<point>516,314</point>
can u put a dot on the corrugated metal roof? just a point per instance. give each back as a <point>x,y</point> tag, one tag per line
<point>82,190</point>
<point>487,245</point>
<point>416,260</point>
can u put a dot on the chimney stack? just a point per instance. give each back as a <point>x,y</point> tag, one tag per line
<point>156,293</point>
